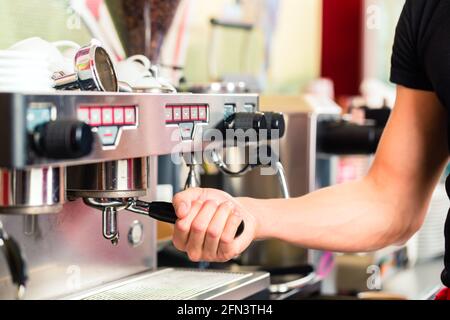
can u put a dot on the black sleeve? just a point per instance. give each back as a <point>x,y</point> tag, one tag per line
<point>407,68</point>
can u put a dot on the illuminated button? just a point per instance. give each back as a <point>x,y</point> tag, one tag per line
<point>186,114</point>
<point>186,130</point>
<point>118,116</point>
<point>95,117</point>
<point>130,116</point>
<point>83,115</point>
<point>194,113</point>
<point>202,114</point>
<point>107,116</point>
<point>169,114</point>
<point>177,114</point>
<point>108,135</point>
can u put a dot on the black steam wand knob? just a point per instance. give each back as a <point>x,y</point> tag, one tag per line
<point>63,139</point>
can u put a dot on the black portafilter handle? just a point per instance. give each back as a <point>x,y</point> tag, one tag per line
<point>63,139</point>
<point>165,212</point>
<point>16,261</point>
<point>345,138</point>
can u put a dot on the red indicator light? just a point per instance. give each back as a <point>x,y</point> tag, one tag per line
<point>130,116</point>
<point>107,116</point>
<point>95,116</point>
<point>169,114</point>
<point>202,113</point>
<point>119,115</point>
<point>186,113</point>
<point>194,113</point>
<point>83,114</point>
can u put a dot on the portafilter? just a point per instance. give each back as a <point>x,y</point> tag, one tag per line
<point>94,71</point>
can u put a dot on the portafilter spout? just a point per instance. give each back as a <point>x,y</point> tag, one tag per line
<point>110,211</point>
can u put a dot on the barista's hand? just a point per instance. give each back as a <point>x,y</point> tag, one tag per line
<point>207,225</point>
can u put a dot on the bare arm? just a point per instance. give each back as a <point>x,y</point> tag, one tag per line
<point>386,207</point>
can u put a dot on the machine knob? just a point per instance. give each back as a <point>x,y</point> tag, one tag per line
<point>275,121</point>
<point>246,121</point>
<point>63,139</point>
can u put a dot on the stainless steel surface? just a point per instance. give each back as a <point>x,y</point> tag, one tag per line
<point>110,215</point>
<point>112,179</point>
<point>110,224</point>
<point>420,282</point>
<point>295,284</point>
<point>67,252</point>
<point>33,191</point>
<point>151,136</point>
<point>192,161</point>
<point>181,284</point>
<point>193,178</point>
<point>107,186</point>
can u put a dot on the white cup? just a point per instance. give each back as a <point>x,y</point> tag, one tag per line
<point>135,71</point>
<point>29,64</point>
<point>39,47</point>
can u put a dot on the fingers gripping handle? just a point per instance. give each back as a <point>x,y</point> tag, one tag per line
<point>165,212</point>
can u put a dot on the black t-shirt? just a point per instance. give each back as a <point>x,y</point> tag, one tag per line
<point>421,60</point>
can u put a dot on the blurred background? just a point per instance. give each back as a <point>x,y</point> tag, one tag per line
<point>289,43</point>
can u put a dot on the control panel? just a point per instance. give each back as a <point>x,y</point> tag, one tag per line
<point>75,128</point>
<point>187,117</point>
<point>108,121</point>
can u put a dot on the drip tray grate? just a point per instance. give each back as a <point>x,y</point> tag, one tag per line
<point>170,284</point>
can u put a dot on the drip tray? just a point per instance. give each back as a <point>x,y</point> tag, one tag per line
<point>182,284</point>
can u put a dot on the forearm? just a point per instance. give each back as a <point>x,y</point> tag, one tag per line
<point>355,217</point>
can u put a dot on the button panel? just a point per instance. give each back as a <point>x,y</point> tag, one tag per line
<point>108,120</point>
<point>186,117</point>
<point>177,114</point>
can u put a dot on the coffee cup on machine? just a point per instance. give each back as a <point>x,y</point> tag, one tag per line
<point>29,65</point>
<point>135,71</point>
<point>24,71</point>
<point>49,51</point>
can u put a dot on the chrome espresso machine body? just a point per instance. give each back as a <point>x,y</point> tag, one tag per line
<point>68,155</point>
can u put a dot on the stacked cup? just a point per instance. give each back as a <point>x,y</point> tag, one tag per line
<point>28,66</point>
<point>24,72</point>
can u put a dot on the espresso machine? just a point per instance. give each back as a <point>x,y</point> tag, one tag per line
<point>79,173</point>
